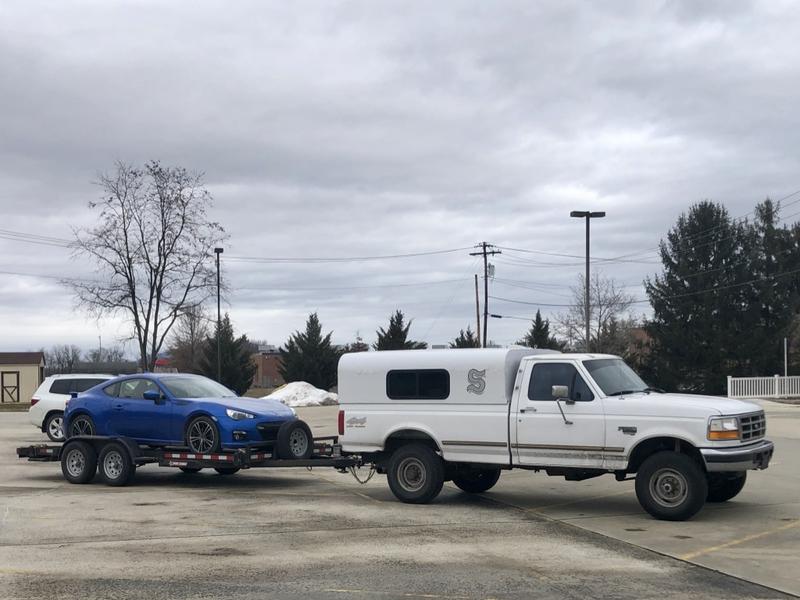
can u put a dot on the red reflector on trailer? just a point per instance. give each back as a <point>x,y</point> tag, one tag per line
<point>341,422</point>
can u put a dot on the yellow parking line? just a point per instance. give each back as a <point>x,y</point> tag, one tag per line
<point>742,540</point>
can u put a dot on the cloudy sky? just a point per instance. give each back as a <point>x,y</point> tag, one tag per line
<point>353,129</point>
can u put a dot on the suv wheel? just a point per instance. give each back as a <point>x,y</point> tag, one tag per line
<point>54,426</point>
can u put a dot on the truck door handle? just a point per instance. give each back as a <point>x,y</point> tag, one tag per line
<point>524,410</point>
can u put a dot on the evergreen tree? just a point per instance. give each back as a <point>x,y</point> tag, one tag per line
<point>310,357</point>
<point>698,330</point>
<point>358,346</point>
<point>538,336</point>
<point>238,368</point>
<point>466,339</point>
<point>396,336</point>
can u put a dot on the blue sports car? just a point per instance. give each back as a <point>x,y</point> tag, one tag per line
<point>181,410</point>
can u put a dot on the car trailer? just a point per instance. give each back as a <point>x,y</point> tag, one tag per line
<point>116,459</point>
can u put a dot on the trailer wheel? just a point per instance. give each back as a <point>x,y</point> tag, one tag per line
<point>295,440</point>
<point>476,480</point>
<point>190,469</point>
<point>202,435</point>
<point>724,486</point>
<point>78,462</point>
<point>226,470</point>
<point>416,474</point>
<point>54,426</point>
<point>115,465</point>
<point>671,486</point>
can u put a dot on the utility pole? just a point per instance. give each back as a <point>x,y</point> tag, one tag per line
<point>218,251</point>
<point>588,215</point>
<point>477,311</point>
<point>486,253</point>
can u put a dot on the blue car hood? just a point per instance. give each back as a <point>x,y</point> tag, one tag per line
<point>259,407</point>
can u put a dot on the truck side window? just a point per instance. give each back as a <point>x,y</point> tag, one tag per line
<point>421,384</point>
<point>546,375</point>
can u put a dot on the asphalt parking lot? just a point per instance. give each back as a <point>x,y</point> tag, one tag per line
<point>319,534</point>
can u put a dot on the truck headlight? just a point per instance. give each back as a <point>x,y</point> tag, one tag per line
<point>238,415</point>
<point>723,428</point>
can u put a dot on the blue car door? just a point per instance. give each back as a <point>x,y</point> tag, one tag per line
<point>134,416</point>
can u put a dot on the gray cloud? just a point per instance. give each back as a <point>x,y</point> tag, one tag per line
<point>363,128</point>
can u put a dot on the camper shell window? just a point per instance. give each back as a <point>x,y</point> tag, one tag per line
<point>418,384</point>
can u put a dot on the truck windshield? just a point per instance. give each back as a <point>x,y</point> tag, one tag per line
<point>615,377</point>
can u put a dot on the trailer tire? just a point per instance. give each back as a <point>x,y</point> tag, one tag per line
<point>724,486</point>
<point>54,426</point>
<point>226,470</point>
<point>191,470</point>
<point>415,474</point>
<point>671,486</point>
<point>476,480</point>
<point>78,462</point>
<point>115,465</point>
<point>295,440</point>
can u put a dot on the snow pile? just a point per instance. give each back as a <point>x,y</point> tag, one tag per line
<point>300,393</point>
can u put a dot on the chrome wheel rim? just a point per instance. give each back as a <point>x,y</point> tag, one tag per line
<point>202,436</point>
<point>75,462</point>
<point>55,427</point>
<point>112,464</point>
<point>411,474</point>
<point>82,426</point>
<point>298,442</point>
<point>669,487</point>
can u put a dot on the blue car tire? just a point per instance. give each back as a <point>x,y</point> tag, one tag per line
<point>202,435</point>
<point>81,425</point>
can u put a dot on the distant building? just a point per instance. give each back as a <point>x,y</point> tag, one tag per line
<point>267,361</point>
<point>20,374</point>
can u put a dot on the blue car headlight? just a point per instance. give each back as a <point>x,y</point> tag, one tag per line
<point>238,415</point>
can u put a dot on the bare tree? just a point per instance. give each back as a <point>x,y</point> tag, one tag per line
<point>188,340</point>
<point>62,358</point>
<point>152,248</point>
<point>609,304</point>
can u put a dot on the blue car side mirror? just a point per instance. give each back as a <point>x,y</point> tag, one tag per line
<point>154,396</point>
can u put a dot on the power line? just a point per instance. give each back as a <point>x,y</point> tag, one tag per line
<point>322,259</point>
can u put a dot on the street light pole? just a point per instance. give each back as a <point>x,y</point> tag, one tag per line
<point>218,251</point>
<point>588,215</point>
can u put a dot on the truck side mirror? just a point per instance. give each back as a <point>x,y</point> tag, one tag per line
<point>560,392</point>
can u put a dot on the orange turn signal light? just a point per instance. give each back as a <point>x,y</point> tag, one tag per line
<point>723,435</point>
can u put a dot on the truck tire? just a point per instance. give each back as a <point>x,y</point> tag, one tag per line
<point>294,440</point>
<point>115,465</point>
<point>54,426</point>
<point>416,474</point>
<point>671,486</point>
<point>724,486</point>
<point>78,462</point>
<point>476,480</point>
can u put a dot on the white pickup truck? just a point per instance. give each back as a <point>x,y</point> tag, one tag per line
<point>429,416</point>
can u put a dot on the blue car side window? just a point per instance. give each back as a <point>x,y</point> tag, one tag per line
<point>112,390</point>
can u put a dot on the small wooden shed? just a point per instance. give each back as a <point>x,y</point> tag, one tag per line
<point>20,374</point>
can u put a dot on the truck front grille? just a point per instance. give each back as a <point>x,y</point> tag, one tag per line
<point>753,426</point>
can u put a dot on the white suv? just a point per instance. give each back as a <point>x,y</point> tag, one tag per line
<point>47,404</point>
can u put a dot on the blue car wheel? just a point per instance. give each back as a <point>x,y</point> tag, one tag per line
<point>202,435</point>
<point>81,425</point>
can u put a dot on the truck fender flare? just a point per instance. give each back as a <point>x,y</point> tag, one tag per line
<point>416,431</point>
<point>680,444</point>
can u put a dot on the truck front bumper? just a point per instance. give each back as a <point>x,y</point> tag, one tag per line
<point>754,456</point>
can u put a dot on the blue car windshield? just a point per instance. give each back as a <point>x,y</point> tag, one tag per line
<point>195,387</point>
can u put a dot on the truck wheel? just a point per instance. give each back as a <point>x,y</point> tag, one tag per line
<point>54,426</point>
<point>475,480</point>
<point>724,486</point>
<point>295,440</point>
<point>671,486</point>
<point>226,470</point>
<point>416,474</point>
<point>202,435</point>
<point>115,465</point>
<point>81,425</point>
<point>78,462</point>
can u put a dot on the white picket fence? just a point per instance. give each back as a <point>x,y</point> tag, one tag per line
<point>764,387</point>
